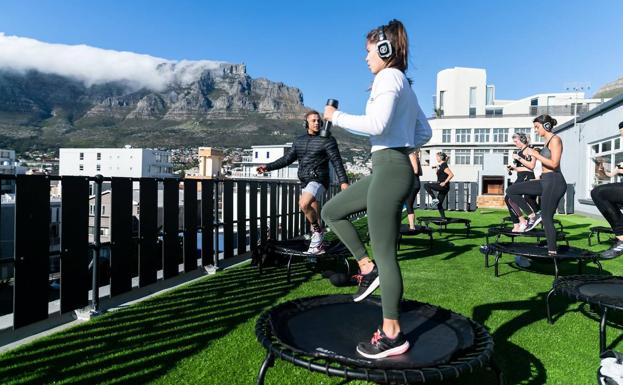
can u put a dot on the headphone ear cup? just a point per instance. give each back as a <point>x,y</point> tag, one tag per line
<point>306,125</point>
<point>547,126</point>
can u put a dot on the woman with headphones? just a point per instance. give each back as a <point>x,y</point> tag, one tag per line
<point>414,157</point>
<point>552,185</point>
<point>396,126</point>
<point>442,186</point>
<point>524,165</point>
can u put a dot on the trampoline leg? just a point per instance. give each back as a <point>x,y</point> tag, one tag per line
<point>599,266</point>
<point>598,240</point>
<point>289,267</point>
<point>590,235</point>
<point>547,306</point>
<point>497,259</point>
<point>487,259</point>
<point>602,330</point>
<point>581,267</point>
<point>430,240</point>
<point>269,361</point>
<point>347,266</point>
<point>555,268</point>
<point>498,372</point>
<point>469,229</point>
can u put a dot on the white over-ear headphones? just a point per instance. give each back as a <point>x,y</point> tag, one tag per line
<point>384,46</point>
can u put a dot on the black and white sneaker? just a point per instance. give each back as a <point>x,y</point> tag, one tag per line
<point>367,284</point>
<point>381,346</point>
<point>533,222</point>
<point>614,251</point>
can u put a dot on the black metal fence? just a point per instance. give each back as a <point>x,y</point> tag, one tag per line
<point>219,219</point>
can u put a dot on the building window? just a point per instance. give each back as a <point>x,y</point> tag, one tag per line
<point>605,156</point>
<point>463,135</point>
<point>81,167</point>
<point>446,135</point>
<point>257,154</point>
<point>462,156</point>
<point>98,167</point>
<point>267,154</point>
<point>99,156</point>
<point>442,94</point>
<point>500,135</point>
<point>82,156</point>
<point>479,155</point>
<point>504,152</point>
<point>481,135</point>
<point>472,101</point>
<point>490,95</point>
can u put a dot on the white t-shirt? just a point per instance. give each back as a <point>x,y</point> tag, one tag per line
<point>393,116</point>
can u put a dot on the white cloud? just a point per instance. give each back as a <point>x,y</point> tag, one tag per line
<point>93,65</point>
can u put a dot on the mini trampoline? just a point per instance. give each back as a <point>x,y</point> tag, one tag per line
<point>557,222</point>
<point>500,231</point>
<point>606,292</point>
<point>406,231</point>
<point>443,223</point>
<point>598,230</point>
<point>539,254</point>
<point>287,250</point>
<point>321,333</point>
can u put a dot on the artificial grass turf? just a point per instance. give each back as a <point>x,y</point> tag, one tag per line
<point>204,332</point>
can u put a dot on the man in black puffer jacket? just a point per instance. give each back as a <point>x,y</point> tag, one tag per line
<point>313,153</point>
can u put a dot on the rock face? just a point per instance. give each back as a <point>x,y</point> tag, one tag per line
<point>610,90</point>
<point>224,92</point>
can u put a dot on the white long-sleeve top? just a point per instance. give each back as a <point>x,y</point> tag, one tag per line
<point>393,116</point>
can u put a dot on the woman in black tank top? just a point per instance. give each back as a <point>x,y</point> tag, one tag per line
<point>442,186</point>
<point>552,185</point>
<point>523,164</point>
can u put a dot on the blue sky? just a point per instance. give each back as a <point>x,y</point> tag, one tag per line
<point>527,47</point>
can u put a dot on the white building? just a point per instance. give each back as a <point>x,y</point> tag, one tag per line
<point>470,122</point>
<point>265,154</point>
<point>118,162</point>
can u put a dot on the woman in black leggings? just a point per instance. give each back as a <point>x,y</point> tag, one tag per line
<point>414,157</point>
<point>609,198</point>
<point>523,164</point>
<point>442,186</point>
<point>552,185</point>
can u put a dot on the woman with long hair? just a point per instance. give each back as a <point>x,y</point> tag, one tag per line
<point>396,126</point>
<point>524,165</point>
<point>442,186</point>
<point>550,187</point>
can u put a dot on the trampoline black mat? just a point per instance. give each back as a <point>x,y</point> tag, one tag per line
<point>298,247</point>
<point>537,252</point>
<point>332,326</point>
<point>443,221</point>
<point>405,230</point>
<point>508,231</point>
<point>605,291</point>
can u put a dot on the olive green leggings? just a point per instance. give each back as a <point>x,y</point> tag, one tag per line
<point>382,194</point>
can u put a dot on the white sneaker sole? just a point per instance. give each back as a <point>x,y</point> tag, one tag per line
<point>369,291</point>
<point>388,353</point>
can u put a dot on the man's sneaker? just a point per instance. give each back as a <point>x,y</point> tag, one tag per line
<point>522,261</point>
<point>614,251</point>
<point>435,201</point>
<point>367,284</point>
<point>532,222</point>
<point>316,250</point>
<point>381,346</point>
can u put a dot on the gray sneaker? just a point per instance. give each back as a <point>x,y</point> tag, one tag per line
<point>614,251</point>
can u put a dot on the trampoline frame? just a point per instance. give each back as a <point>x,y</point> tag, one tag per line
<point>529,234</point>
<point>291,253</point>
<point>598,230</point>
<point>480,355</point>
<point>422,230</point>
<point>560,287</point>
<point>444,222</point>
<point>495,249</point>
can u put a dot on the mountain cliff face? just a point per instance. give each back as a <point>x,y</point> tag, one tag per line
<point>46,110</point>
<point>610,90</point>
